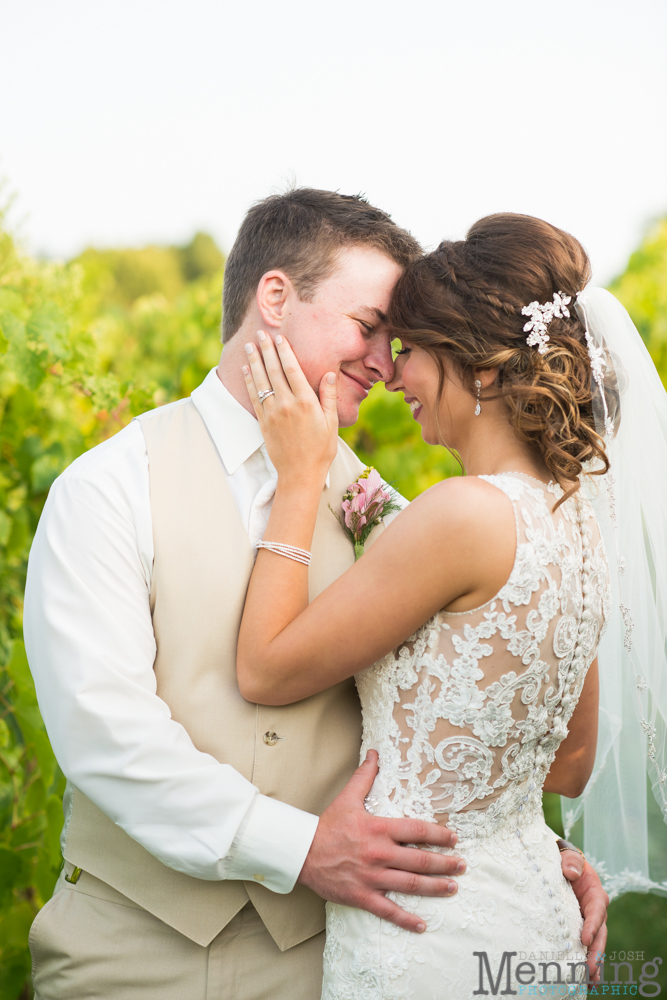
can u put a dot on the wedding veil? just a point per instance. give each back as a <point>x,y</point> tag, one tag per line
<point>620,818</point>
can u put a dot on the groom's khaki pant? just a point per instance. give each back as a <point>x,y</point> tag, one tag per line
<point>89,948</point>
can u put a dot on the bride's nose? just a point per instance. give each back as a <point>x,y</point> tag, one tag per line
<point>395,383</point>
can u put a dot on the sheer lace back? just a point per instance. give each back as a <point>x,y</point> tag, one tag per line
<point>468,713</point>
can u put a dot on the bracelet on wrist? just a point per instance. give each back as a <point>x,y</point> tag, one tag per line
<point>289,551</point>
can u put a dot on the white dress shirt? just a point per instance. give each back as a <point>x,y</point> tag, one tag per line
<point>91,649</point>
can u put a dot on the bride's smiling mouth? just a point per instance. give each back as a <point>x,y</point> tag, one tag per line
<point>415,406</point>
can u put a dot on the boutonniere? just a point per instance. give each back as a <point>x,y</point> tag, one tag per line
<point>365,503</point>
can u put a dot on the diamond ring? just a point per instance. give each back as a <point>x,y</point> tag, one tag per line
<point>265,393</point>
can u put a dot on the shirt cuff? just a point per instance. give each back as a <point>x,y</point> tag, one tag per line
<point>272,844</point>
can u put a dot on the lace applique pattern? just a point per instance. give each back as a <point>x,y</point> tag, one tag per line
<point>467,716</point>
<point>474,703</point>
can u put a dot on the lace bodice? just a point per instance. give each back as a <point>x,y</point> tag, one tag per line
<point>468,713</point>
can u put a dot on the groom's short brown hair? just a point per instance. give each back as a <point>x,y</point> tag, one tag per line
<point>300,232</point>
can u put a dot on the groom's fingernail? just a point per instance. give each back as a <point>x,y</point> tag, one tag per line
<point>451,887</point>
<point>261,335</point>
<point>461,867</point>
<point>421,928</point>
<point>573,870</point>
<point>248,348</point>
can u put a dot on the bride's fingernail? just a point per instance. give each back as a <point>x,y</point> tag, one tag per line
<point>331,378</point>
<point>261,335</point>
<point>245,370</point>
<point>248,348</point>
<point>279,339</point>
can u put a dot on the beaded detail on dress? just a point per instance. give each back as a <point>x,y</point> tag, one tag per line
<point>476,703</point>
<point>467,716</point>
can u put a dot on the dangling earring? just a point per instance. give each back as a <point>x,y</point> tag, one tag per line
<point>478,405</point>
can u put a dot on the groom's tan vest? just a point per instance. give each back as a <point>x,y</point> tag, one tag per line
<point>203,563</point>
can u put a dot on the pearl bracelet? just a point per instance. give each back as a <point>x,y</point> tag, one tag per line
<point>290,551</point>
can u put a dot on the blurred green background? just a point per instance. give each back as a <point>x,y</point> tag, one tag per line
<point>84,346</point>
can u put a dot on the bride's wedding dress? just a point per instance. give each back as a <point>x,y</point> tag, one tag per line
<point>467,716</point>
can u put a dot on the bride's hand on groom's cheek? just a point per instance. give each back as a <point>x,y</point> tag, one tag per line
<point>356,858</point>
<point>300,430</point>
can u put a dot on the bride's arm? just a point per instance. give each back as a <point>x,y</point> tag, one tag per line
<point>444,546</point>
<point>573,763</point>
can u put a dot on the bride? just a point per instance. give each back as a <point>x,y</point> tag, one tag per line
<point>472,623</point>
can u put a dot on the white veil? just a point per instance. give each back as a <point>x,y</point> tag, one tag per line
<point>620,819</point>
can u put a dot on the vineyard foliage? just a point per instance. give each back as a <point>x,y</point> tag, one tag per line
<point>84,346</point>
<point>642,288</point>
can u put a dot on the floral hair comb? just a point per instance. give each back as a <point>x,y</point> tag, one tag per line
<point>541,315</point>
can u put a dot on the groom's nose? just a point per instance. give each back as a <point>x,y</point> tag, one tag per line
<point>379,359</point>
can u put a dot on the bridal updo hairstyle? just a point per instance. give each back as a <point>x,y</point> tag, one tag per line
<point>462,303</point>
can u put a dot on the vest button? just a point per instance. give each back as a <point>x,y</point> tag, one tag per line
<point>258,878</point>
<point>271,738</point>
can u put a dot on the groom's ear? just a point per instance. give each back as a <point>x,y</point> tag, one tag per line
<point>273,292</point>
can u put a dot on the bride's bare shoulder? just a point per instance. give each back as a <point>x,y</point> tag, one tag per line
<point>463,505</point>
<point>467,496</point>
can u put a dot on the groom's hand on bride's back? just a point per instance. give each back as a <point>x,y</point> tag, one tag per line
<point>593,902</point>
<point>356,858</point>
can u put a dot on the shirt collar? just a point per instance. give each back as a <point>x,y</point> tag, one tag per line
<point>235,431</point>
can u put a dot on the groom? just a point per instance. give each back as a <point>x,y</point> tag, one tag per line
<point>195,862</point>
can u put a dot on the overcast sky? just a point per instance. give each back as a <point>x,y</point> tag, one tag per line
<point>130,121</point>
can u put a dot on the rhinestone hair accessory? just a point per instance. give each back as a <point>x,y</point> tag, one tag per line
<point>541,315</point>
<point>598,361</point>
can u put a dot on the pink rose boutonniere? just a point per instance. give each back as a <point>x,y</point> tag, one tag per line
<point>364,505</point>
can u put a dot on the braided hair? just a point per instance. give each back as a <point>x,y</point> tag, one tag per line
<point>462,303</point>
